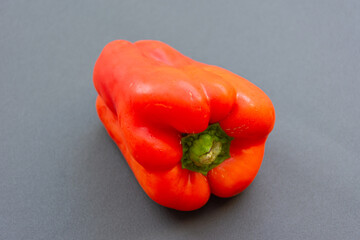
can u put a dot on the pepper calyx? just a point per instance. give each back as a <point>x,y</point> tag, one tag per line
<point>206,150</point>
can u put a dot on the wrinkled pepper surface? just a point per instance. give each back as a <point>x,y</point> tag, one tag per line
<point>186,129</point>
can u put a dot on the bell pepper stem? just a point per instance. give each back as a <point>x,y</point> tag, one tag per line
<point>206,150</point>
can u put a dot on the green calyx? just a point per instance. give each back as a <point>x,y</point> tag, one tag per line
<point>206,150</point>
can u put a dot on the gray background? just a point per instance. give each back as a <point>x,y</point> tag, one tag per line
<point>61,176</point>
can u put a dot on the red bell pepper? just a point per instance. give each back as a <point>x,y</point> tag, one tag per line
<point>186,129</point>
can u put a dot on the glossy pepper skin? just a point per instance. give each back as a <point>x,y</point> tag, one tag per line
<point>150,96</point>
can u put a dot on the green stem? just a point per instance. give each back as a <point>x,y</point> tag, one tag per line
<point>206,150</point>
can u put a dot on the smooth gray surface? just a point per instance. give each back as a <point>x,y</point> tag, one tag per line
<point>61,177</point>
